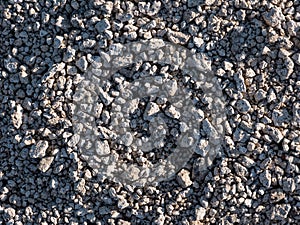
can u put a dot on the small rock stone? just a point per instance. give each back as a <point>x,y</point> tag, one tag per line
<point>82,63</point>
<point>69,55</point>
<point>209,2</point>
<point>45,163</point>
<point>243,106</point>
<point>183,178</point>
<point>172,112</point>
<point>148,8</point>
<point>289,185</point>
<point>265,178</point>
<point>102,148</point>
<point>280,117</point>
<point>260,95</point>
<point>103,25</point>
<point>16,117</point>
<point>39,150</point>
<point>296,58</point>
<point>151,110</point>
<point>273,17</point>
<point>280,212</point>
<point>275,133</point>
<point>58,41</point>
<point>177,37</point>
<point>200,213</point>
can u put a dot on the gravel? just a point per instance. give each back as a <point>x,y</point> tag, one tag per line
<point>47,49</point>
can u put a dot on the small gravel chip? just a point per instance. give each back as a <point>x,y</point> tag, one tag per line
<point>102,148</point>
<point>123,222</point>
<point>11,64</point>
<point>209,2</point>
<point>260,95</point>
<point>82,63</point>
<point>148,8</point>
<point>16,117</point>
<point>265,178</point>
<point>151,110</point>
<point>250,73</point>
<point>296,58</point>
<point>171,87</point>
<point>127,139</point>
<point>273,17</point>
<point>105,98</point>
<point>10,212</point>
<point>296,114</point>
<point>240,82</point>
<point>58,41</point>
<point>177,37</point>
<point>200,213</point>
<point>103,25</point>
<point>69,54</point>
<point>172,112</point>
<point>71,70</point>
<point>289,185</point>
<point>198,41</point>
<point>183,178</point>
<point>280,117</point>
<point>243,106</point>
<point>275,133</point>
<point>39,150</point>
<point>280,211</point>
<point>45,163</point>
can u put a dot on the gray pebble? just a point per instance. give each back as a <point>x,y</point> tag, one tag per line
<point>265,178</point>
<point>45,163</point>
<point>82,63</point>
<point>243,106</point>
<point>177,37</point>
<point>103,25</point>
<point>183,178</point>
<point>39,150</point>
<point>17,116</point>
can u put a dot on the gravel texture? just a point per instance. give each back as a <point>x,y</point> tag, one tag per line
<point>254,51</point>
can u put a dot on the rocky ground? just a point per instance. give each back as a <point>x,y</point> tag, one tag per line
<point>48,45</point>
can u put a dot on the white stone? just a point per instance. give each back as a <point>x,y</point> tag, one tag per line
<point>183,178</point>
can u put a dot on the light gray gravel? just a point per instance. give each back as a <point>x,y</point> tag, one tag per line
<point>48,46</point>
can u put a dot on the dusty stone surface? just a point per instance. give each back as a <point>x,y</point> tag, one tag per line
<point>48,46</point>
